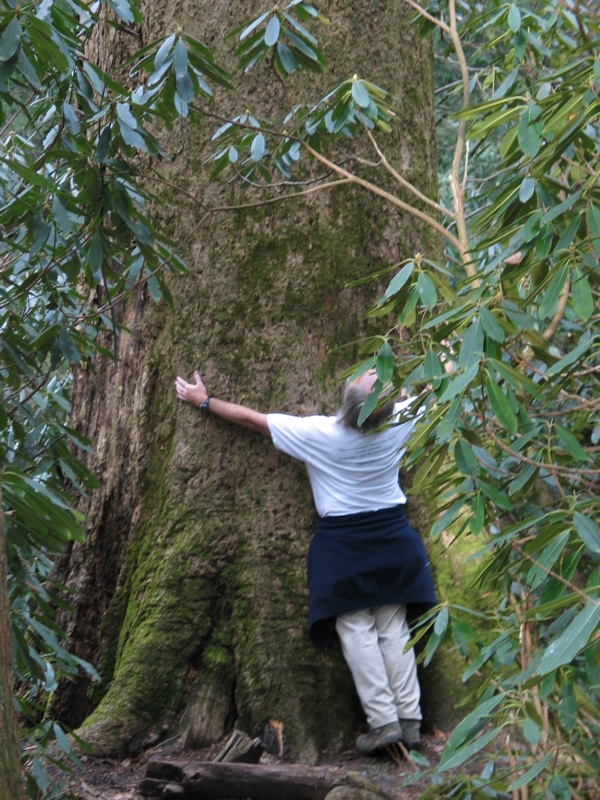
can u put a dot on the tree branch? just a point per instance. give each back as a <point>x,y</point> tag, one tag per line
<point>402,181</point>
<point>456,184</point>
<point>428,16</point>
<point>552,574</point>
<point>560,310</point>
<point>565,472</point>
<point>371,187</point>
<point>290,196</point>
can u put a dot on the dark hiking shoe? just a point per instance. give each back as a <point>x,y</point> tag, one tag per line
<point>411,733</point>
<point>377,738</point>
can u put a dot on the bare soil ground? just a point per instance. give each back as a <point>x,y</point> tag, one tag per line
<point>108,779</point>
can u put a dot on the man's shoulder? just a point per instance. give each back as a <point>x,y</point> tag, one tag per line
<point>316,422</point>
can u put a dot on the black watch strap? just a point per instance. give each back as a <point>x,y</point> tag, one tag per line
<point>204,405</point>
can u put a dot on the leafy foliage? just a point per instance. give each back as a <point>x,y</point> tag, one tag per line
<point>511,448</point>
<point>282,32</point>
<point>352,104</point>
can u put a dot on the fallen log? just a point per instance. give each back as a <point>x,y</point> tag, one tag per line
<point>212,780</point>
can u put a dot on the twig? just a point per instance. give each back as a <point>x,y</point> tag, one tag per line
<point>289,196</point>
<point>551,574</point>
<point>560,310</point>
<point>428,16</point>
<point>371,187</point>
<point>566,472</point>
<point>401,758</point>
<point>402,181</point>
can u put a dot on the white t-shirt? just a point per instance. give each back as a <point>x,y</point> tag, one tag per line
<point>349,471</point>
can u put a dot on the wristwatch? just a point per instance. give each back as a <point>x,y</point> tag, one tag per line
<point>204,405</point>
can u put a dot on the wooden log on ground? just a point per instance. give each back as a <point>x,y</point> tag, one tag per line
<point>211,780</point>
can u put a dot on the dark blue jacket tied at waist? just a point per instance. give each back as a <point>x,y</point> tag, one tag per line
<point>365,560</point>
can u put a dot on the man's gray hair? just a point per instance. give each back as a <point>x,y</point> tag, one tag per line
<point>349,412</point>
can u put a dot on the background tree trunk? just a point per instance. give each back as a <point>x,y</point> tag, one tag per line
<point>11,787</point>
<point>189,592</point>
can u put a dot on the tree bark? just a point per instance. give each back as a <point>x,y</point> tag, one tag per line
<point>11,787</point>
<point>189,592</point>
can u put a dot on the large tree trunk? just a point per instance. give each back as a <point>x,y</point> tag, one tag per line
<point>189,592</point>
<point>11,787</point>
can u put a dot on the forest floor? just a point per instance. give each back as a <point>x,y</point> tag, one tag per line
<point>108,779</point>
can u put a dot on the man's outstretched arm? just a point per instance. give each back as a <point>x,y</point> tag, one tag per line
<point>195,394</point>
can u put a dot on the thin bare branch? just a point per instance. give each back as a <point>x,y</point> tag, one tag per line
<point>565,472</point>
<point>552,574</point>
<point>560,310</point>
<point>11,119</point>
<point>428,16</point>
<point>402,181</point>
<point>584,405</point>
<point>283,198</point>
<point>391,198</point>
<point>161,179</point>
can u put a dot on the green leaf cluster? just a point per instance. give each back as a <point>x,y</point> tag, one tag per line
<point>260,150</point>
<point>347,110</point>
<point>179,69</point>
<point>282,33</point>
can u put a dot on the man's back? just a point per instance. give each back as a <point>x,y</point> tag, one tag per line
<point>350,471</point>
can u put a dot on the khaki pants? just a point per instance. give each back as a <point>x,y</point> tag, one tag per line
<point>373,642</point>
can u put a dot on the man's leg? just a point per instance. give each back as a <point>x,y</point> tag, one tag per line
<point>358,636</point>
<point>401,668</point>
